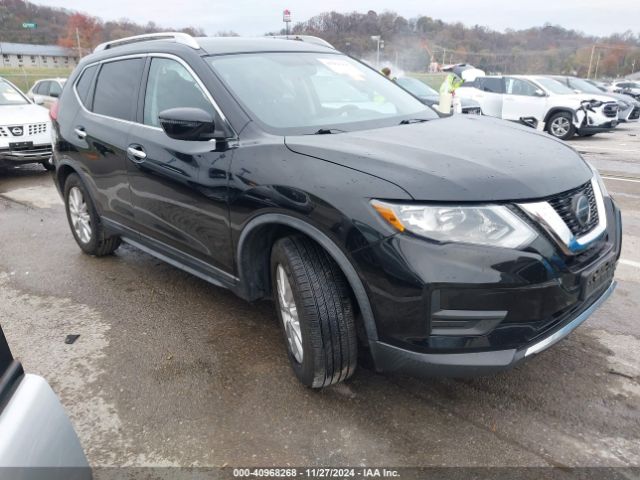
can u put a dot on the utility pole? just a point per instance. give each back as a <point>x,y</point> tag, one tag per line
<point>444,54</point>
<point>593,49</point>
<point>595,75</point>
<point>78,40</point>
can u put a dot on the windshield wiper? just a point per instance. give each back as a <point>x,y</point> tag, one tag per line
<point>413,120</point>
<point>328,131</point>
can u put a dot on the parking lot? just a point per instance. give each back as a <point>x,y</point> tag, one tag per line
<point>169,370</point>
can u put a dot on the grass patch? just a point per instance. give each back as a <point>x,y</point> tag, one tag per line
<point>24,78</point>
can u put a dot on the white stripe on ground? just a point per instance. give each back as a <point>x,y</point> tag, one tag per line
<point>633,180</point>
<point>631,263</point>
<point>607,149</point>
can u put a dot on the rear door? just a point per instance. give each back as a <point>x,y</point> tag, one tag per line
<point>521,100</point>
<point>489,95</point>
<point>108,93</point>
<point>179,188</point>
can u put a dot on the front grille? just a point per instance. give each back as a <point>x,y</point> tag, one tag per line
<point>4,132</point>
<point>563,205</point>
<point>635,113</point>
<point>37,128</point>
<point>610,110</point>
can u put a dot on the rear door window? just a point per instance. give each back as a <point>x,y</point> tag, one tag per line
<point>493,85</point>
<point>117,88</point>
<point>55,89</point>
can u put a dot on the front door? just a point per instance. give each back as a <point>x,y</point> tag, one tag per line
<point>523,99</point>
<point>179,188</point>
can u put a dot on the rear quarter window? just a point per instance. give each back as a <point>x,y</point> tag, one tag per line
<point>492,85</point>
<point>83,85</point>
<point>117,88</point>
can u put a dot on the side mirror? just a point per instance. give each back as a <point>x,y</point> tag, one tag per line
<point>38,100</point>
<point>540,93</point>
<point>187,123</point>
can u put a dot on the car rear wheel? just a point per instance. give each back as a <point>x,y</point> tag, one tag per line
<point>84,220</point>
<point>561,126</point>
<point>314,306</point>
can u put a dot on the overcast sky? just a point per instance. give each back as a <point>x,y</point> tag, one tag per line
<point>255,17</point>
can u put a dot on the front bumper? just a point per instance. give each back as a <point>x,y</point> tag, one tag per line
<point>601,128</point>
<point>389,358</point>
<point>457,310</point>
<point>37,153</point>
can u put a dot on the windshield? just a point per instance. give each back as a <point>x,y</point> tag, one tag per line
<point>416,87</point>
<point>584,86</point>
<point>295,93</point>
<point>9,95</point>
<point>553,86</point>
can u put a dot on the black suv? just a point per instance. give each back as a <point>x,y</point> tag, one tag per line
<point>287,170</point>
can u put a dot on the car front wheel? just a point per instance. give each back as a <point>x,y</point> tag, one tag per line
<point>561,126</point>
<point>314,306</point>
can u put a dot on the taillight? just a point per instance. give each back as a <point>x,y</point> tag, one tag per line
<point>53,112</point>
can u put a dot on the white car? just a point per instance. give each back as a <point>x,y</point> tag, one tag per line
<point>25,129</point>
<point>628,88</point>
<point>46,91</point>
<point>542,103</point>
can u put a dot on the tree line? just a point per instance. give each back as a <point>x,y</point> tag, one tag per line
<point>415,43</point>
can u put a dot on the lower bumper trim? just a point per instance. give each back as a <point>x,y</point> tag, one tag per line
<point>389,358</point>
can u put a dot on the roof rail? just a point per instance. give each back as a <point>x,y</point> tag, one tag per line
<point>305,38</point>
<point>178,37</point>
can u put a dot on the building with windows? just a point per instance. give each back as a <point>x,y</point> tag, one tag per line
<point>25,55</point>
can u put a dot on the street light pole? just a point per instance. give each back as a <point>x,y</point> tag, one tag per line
<point>377,38</point>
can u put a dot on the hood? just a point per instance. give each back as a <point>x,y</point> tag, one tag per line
<point>458,158</point>
<point>435,100</point>
<point>581,97</point>
<point>621,96</point>
<point>23,114</point>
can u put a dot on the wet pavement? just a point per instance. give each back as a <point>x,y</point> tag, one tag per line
<point>169,370</point>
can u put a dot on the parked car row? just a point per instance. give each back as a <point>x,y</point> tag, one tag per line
<point>548,103</point>
<point>25,128</point>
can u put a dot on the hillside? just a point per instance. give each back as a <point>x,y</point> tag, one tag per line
<point>58,26</point>
<point>411,44</point>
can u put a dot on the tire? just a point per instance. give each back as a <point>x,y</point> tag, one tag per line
<point>49,165</point>
<point>560,125</point>
<point>323,306</point>
<point>92,241</point>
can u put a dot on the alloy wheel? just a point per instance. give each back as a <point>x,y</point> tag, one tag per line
<point>289,313</point>
<point>79,214</point>
<point>560,126</point>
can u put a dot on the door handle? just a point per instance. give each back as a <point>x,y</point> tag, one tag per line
<point>80,132</point>
<point>136,153</point>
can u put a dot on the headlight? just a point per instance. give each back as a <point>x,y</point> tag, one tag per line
<point>493,225</point>
<point>603,189</point>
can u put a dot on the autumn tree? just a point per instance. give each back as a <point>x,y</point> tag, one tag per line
<point>83,27</point>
